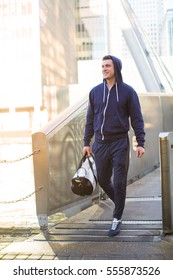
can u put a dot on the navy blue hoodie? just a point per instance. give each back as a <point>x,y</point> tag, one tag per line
<point>109,112</point>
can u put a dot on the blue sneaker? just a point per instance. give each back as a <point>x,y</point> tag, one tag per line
<point>115,227</point>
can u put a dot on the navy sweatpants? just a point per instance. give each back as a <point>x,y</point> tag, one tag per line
<point>112,158</point>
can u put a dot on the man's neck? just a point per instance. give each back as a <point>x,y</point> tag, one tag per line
<point>110,83</point>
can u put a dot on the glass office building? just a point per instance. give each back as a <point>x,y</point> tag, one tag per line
<point>170,31</point>
<point>150,14</point>
<point>91,29</point>
<point>167,34</point>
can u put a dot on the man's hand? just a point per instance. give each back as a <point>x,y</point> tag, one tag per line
<point>140,152</point>
<point>87,150</point>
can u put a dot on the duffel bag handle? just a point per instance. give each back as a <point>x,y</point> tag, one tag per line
<point>85,156</point>
<point>91,166</point>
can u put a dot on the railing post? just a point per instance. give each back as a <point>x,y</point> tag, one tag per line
<point>41,178</point>
<point>166,160</point>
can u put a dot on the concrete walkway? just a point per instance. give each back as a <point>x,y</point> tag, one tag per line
<point>84,236</point>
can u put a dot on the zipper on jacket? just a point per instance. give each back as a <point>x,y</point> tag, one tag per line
<point>104,113</point>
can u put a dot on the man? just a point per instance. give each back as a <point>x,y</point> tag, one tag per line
<point>111,105</point>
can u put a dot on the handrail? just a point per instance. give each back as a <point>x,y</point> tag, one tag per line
<point>64,116</point>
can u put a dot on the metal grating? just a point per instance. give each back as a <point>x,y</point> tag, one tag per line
<point>147,198</point>
<point>131,222</point>
<point>97,231</point>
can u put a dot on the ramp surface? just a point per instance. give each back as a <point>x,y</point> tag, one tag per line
<point>142,220</point>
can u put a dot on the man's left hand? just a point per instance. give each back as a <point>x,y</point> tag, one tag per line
<point>140,152</point>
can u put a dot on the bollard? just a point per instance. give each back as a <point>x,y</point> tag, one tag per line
<point>166,162</point>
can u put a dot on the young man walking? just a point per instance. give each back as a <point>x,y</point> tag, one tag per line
<point>113,105</point>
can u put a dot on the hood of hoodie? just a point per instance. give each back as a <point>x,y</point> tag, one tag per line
<point>118,76</point>
<point>117,67</point>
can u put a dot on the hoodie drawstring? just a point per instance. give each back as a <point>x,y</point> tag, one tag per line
<point>117,94</point>
<point>104,92</point>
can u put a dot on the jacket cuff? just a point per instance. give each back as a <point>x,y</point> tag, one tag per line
<point>86,143</point>
<point>141,144</point>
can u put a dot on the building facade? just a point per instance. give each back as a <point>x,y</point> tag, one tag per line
<point>58,53</point>
<point>167,34</point>
<point>38,60</point>
<point>91,29</point>
<point>43,43</point>
<point>150,14</point>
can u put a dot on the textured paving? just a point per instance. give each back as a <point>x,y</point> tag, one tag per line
<point>84,236</point>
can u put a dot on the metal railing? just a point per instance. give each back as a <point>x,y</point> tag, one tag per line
<point>60,145</point>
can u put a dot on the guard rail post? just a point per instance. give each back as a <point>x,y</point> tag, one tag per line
<point>166,161</point>
<point>40,164</point>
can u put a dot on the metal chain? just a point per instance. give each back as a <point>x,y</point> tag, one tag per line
<point>20,199</point>
<point>29,195</point>
<point>19,159</point>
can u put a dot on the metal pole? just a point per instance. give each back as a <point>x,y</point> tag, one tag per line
<point>41,178</point>
<point>166,161</point>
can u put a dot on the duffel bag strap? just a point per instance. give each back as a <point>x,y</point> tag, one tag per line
<point>91,166</point>
<point>81,161</point>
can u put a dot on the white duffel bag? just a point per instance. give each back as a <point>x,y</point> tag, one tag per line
<point>85,179</point>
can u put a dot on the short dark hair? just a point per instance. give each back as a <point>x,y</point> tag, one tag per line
<point>107,57</point>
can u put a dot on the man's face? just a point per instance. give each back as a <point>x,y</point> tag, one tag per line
<point>108,69</point>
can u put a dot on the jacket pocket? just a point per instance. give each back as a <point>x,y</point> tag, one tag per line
<point>112,124</point>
